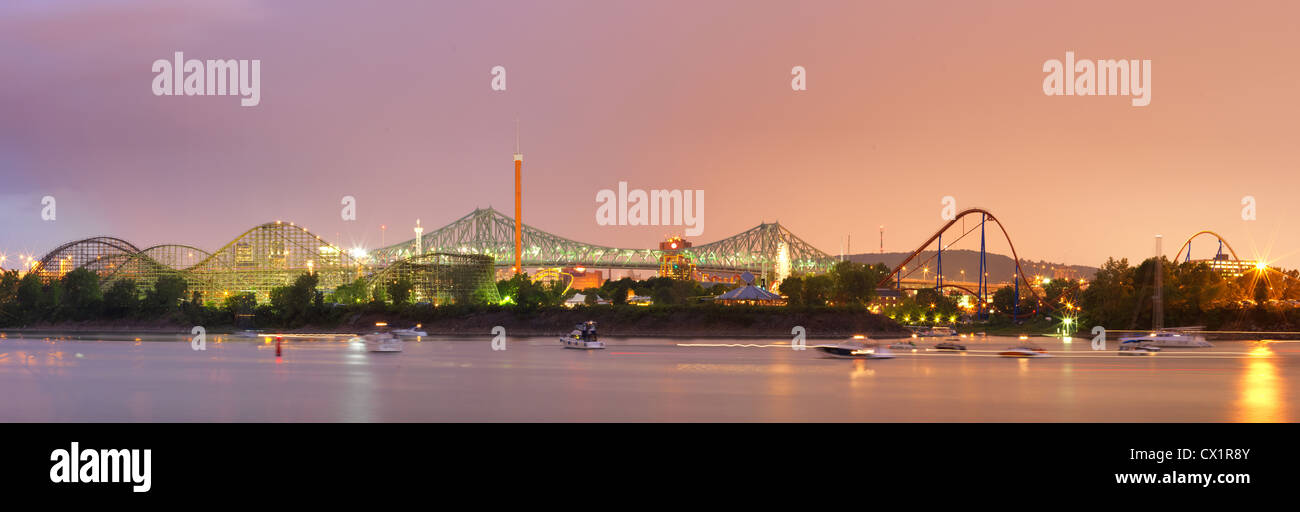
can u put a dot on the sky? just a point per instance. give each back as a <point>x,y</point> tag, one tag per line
<point>391,102</point>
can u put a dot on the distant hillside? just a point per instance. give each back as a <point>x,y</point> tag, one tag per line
<point>1000,268</point>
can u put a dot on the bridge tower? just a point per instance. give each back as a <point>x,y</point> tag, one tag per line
<point>419,230</point>
<point>519,204</point>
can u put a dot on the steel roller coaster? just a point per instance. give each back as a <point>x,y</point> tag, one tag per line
<point>981,292</point>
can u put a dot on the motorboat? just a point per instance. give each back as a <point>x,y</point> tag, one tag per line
<point>1025,350</point>
<point>938,332</point>
<point>856,348</point>
<point>383,340</point>
<point>1135,348</point>
<point>948,345</point>
<point>583,337</point>
<point>413,331</point>
<point>1168,339</point>
<point>905,345</point>
<point>248,333</point>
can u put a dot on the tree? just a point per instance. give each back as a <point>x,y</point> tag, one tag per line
<point>122,300</point>
<point>1004,300</point>
<point>240,304</point>
<point>400,291</point>
<point>30,295</point>
<point>292,303</point>
<point>932,302</point>
<point>166,294</point>
<point>818,289</point>
<point>855,283</point>
<point>9,281</point>
<point>351,293</point>
<point>792,288</point>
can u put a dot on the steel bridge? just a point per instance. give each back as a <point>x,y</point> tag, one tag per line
<point>489,232</point>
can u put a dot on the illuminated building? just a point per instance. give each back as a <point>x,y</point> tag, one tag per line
<point>1227,267</point>
<point>584,278</point>
<point>886,298</point>
<point>672,262</point>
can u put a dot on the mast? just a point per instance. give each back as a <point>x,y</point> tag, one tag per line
<point>1157,300</point>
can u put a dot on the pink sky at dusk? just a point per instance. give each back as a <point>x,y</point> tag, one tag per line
<point>907,102</point>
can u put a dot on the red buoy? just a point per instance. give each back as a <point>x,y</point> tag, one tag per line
<point>277,346</point>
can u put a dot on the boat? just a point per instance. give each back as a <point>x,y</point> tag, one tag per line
<point>948,345</point>
<point>583,337</point>
<point>905,345</point>
<point>1025,350</point>
<point>1160,337</point>
<point>1135,348</point>
<point>1167,339</point>
<point>248,333</point>
<point>856,348</point>
<point>938,332</point>
<point>414,331</point>
<point>382,340</point>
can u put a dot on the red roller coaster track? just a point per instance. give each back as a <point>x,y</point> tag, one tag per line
<point>889,279</point>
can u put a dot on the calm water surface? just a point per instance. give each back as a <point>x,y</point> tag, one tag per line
<point>160,378</point>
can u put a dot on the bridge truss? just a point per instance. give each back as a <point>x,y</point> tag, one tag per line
<point>488,232</point>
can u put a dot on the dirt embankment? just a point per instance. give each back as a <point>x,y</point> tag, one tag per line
<point>735,322</point>
<point>768,323</point>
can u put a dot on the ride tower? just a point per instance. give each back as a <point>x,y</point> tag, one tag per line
<point>672,263</point>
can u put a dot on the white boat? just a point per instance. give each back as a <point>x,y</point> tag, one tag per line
<point>938,332</point>
<point>1167,339</point>
<point>414,331</point>
<point>856,348</point>
<point>583,337</point>
<point>1025,350</point>
<point>383,340</point>
<point>905,345</point>
<point>248,333</point>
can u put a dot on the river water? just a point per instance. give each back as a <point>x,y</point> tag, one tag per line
<point>328,378</point>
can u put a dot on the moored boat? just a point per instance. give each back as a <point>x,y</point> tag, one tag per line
<point>948,345</point>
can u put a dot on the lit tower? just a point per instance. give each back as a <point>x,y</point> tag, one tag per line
<point>418,231</point>
<point>519,204</point>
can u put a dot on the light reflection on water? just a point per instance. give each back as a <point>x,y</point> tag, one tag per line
<point>71,378</point>
<point>1261,389</point>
